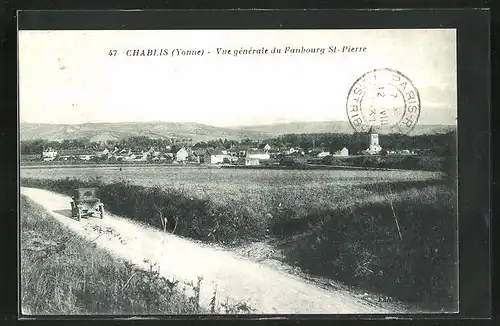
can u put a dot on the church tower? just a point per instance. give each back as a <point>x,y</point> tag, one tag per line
<point>374,146</point>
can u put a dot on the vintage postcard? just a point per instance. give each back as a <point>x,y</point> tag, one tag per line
<point>174,172</point>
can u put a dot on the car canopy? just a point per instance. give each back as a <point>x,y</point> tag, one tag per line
<point>85,193</point>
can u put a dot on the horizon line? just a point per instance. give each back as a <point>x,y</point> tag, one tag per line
<point>211,125</point>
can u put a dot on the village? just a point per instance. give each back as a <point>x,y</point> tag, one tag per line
<point>241,154</point>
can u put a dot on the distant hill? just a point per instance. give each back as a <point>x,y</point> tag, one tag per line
<point>276,129</point>
<point>114,131</point>
<point>341,127</point>
<point>196,131</point>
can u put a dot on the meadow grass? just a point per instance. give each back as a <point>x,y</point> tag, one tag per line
<point>64,274</point>
<point>402,244</point>
<point>392,237</point>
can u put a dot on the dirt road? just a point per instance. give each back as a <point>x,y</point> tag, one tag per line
<point>264,288</point>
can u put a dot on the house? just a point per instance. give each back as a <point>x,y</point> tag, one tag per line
<point>131,156</point>
<point>258,154</point>
<point>68,154</point>
<point>238,151</point>
<point>318,152</point>
<point>104,154</point>
<point>139,156</point>
<point>153,153</point>
<point>166,156</point>
<point>265,147</point>
<point>49,154</point>
<point>296,150</point>
<point>254,156</point>
<point>124,152</point>
<point>192,158</point>
<point>214,156</point>
<point>182,155</point>
<point>322,154</point>
<point>86,156</point>
<point>136,156</point>
<point>116,154</point>
<point>292,150</point>
<point>343,152</point>
<point>80,154</point>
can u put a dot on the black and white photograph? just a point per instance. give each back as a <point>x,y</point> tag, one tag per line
<point>238,171</point>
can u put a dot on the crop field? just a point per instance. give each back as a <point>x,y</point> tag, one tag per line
<point>165,175</point>
<point>227,184</point>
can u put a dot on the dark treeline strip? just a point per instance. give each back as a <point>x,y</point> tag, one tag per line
<point>36,146</point>
<point>409,162</point>
<point>432,144</point>
<point>135,143</point>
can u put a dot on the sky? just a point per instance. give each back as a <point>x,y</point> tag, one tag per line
<point>69,77</point>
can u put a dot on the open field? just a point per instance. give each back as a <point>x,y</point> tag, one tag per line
<point>220,182</point>
<point>391,232</point>
<point>274,192</point>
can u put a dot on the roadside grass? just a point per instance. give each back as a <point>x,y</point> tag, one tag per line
<point>394,238</point>
<point>64,274</point>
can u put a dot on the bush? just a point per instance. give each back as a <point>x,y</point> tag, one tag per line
<point>411,162</point>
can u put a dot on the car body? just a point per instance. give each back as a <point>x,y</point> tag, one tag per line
<point>85,202</point>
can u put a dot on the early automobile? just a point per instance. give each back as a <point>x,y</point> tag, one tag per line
<point>85,203</point>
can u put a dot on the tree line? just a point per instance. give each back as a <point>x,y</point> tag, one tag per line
<point>436,144</point>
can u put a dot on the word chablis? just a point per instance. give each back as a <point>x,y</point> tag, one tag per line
<point>158,52</point>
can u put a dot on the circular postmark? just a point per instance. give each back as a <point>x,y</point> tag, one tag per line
<point>385,99</point>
